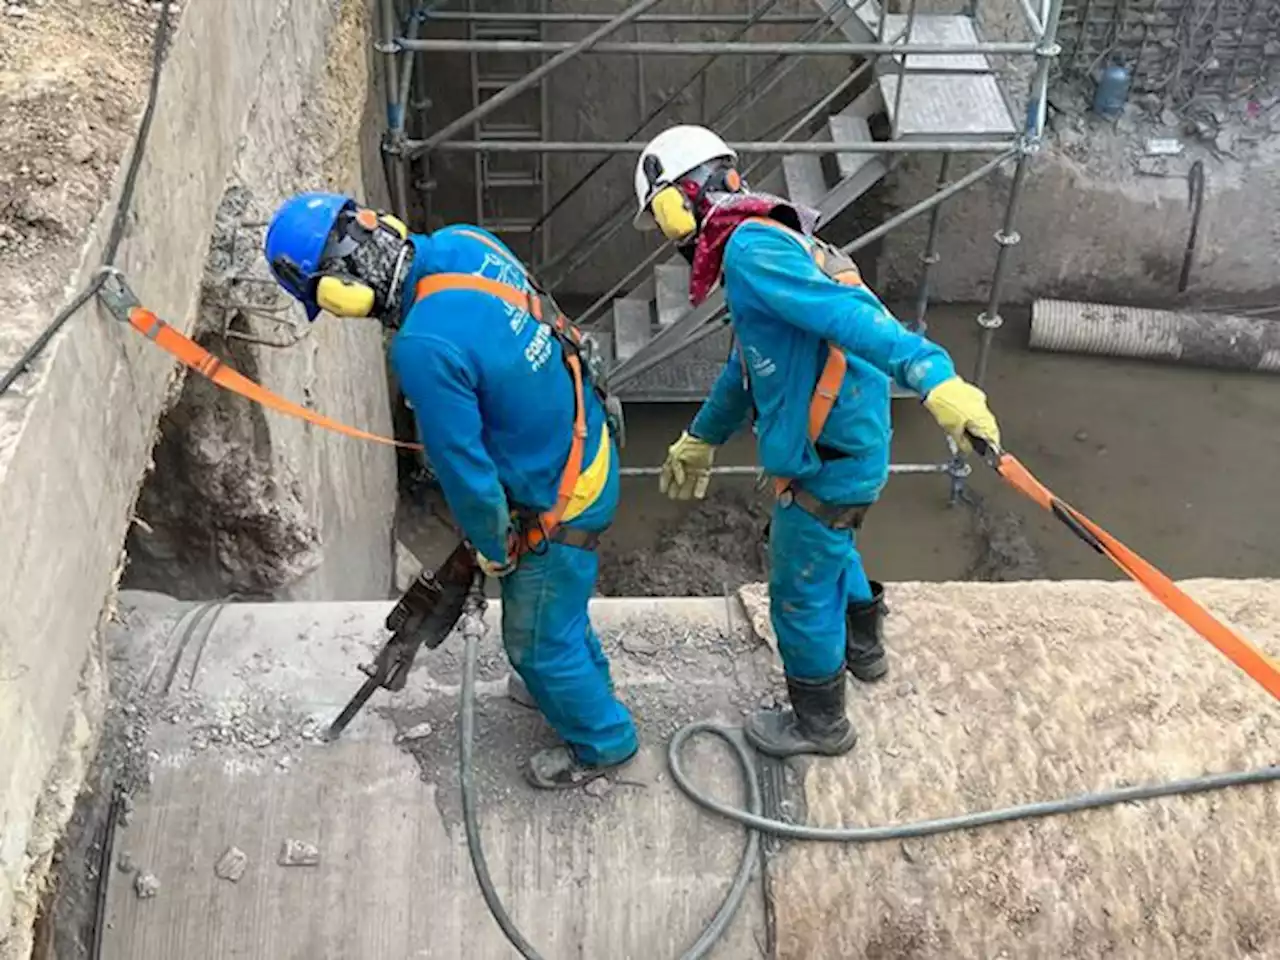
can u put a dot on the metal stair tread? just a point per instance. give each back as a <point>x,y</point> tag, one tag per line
<point>632,326</point>
<point>671,282</point>
<point>859,28</point>
<point>508,131</point>
<point>511,178</point>
<point>507,30</point>
<point>512,225</point>
<point>850,128</point>
<point>961,106</point>
<point>806,181</point>
<point>949,29</point>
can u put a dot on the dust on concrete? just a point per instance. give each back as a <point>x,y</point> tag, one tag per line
<point>717,545</point>
<point>652,659</point>
<point>73,78</point>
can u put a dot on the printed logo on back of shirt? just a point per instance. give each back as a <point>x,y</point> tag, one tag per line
<point>504,270</point>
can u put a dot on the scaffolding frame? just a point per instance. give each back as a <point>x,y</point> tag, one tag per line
<point>400,50</point>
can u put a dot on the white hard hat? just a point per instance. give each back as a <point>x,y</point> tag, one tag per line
<point>677,150</point>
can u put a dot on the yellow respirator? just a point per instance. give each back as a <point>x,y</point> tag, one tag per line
<point>346,296</point>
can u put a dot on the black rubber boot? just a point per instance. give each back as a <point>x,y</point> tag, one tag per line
<point>864,637</point>
<point>815,723</point>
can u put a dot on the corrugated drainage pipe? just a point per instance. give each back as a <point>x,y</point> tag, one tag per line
<point>1193,337</point>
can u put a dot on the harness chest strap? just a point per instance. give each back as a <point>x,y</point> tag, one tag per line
<point>439,282</point>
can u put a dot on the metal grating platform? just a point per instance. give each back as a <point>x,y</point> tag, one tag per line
<point>954,106</point>
<point>686,377</point>
<point>949,29</point>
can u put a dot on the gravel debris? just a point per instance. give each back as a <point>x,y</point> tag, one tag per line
<point>231,865</point>
<point>298,853</point>
<point>146,885</point>
<point>416,732</point>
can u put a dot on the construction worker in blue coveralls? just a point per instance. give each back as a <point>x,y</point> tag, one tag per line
<point>814,351</point>
<point>514,429</point>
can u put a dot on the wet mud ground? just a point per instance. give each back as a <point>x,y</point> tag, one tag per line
<point>1179,463</point>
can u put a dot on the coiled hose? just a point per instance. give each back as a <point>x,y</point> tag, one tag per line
<point>473,628</point>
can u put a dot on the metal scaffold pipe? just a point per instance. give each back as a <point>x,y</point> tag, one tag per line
<point>927,204</point>
<point>710,47</point>
<point>748,147</point>
<point>567,51</point>
<point>522,17</point>
<point>989,321</point>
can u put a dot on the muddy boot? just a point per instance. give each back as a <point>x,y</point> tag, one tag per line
<point>558,769</point>
<point>517,691</point>
<point>815,723</point>
<point>864,637</point>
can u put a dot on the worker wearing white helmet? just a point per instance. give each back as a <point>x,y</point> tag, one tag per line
<point>813,357</point>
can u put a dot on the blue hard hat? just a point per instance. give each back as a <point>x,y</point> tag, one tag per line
<point>296,240</point>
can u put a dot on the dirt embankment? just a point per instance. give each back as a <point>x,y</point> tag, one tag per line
<point>73,80</point>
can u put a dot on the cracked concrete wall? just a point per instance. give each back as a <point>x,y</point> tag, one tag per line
<point>78,437</point>
<point>242,499</point>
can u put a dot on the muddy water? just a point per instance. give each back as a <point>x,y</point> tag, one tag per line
<point>1181,464</point>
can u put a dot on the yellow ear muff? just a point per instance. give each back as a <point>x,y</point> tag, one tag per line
<point>673,214</point>
<point>344,298</point>
<point>396,224</point>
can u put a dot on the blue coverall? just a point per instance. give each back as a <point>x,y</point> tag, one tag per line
<point>784,310</point>
<point>494,405</point>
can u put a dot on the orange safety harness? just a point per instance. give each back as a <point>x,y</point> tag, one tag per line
<point>571,343</point>
<point>839,266</point>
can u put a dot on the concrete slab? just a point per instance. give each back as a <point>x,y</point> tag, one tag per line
<point>634,873</point>
<point>1004,694</point>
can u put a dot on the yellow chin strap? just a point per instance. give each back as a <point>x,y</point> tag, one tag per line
<point>673,214</point>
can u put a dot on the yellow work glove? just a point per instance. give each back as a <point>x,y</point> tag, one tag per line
<point>687,469</point>
<point>959,406</point>
<point>492,568</point>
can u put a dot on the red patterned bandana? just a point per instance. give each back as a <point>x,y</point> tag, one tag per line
<point>725,213</point>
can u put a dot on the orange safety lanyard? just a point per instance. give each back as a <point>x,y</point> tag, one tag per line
<point>1236,648</point>
<point>186,351</point>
